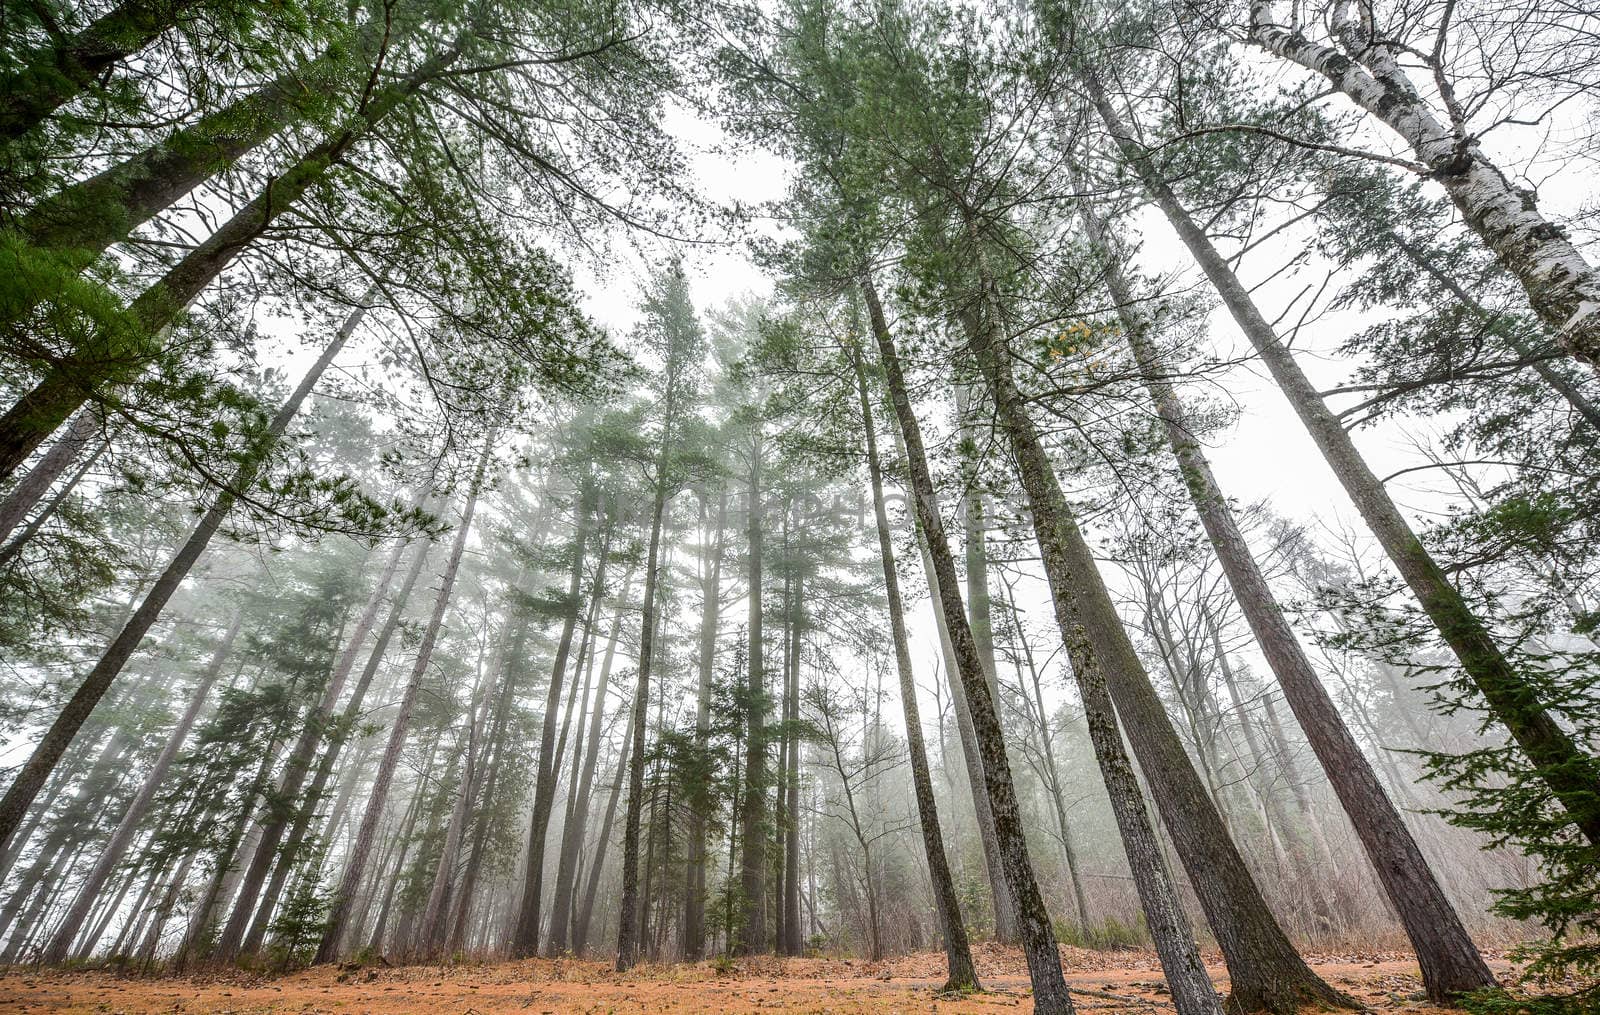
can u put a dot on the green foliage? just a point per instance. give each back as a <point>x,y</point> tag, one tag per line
<point>299,924</point>
<point>1501,1002</point>
<point>1110,935</point>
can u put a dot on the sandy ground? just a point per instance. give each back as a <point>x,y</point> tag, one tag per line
<point>1106,982</point>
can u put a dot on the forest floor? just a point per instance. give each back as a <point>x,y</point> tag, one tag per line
<point>1104,982</point>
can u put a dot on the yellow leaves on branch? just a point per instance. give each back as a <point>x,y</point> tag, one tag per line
<point>1081,339</point>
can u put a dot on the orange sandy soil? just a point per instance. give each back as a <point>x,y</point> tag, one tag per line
<point>1106,982</point>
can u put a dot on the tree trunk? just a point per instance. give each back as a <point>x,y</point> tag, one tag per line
<point>73,715</point>
<point>972,758</point>
<point>577,819</point>
<point>1450,961</point>
<point>355,867</point>
<point>780,820</point>
<point>790,929</point>
<point>112,853</point>
<point>1265,970</point>
<point>1088,621</point>
<point>525,941</point>
<point>1572,775</point>
<point>435,929</point>
<point>116,356</point>
<point>510,667</point>
<point>694,904</point>
<point>1562,286</point>
<point>297,768</point>
<point>50,76</point>
<point>32,487</point>
<point>628,912</point>
<point>9,551</point>
<point>79,223</point>
<point>580,930</point>
<point>958,955</point>
<point>290,854</point>
<point>1052,771</point>
<point>1038,940</point>
<point>752,856</point>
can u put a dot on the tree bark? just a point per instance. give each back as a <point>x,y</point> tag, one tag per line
<point>292,846</point>
<point>297,768</point>
<point>962,975</point>
<point>355,867</point>
<point>1572,775</point>
<point>752,937</point>
<point>76,225</point>
<point>525,940</point>
<point>9,551</point>
<point>1562,286</point>
<point>789,930</point>
<point>433,933</point>
<point>585,914</point>
<point>50,76</point>
<point>32,487</point>
<point>73,715</point>
<point>112,853</point>
<point>694,904</point>
<point>628,912</point>
<point>572,830</point>
<point>1050,995</point>
<point>116,355</point>
<point>1450,961</point>
<point>1090,626</point>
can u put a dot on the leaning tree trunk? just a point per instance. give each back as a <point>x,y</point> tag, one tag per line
<point>578,811</point>
<point>77,224</point>
<point>355,867</point>
<point>115,356</point>
<point>110,757</point>
<point>979,613</point>
<point>971,758</point>
<point>525,940</point>
<point>1572,775</point>
<point>434,930</point>
<point>50,76</point>
<point>72,716</point>
<point>1083,610</point>
<point>958,955</point>
<point>585,913</point>
<point>112,853</point>
<point>32,487</point>
<point>1548,372</point>
<point>297,769</point>
<point>1562,286</point>
<point>1038,940</point>
<point>628,911</point>
<point>495,753</point>
<point>1052,771</point>
<point>9,551</point>
<point>1265,970</point>
<point>290,854</point>
<point>1450,961</point>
